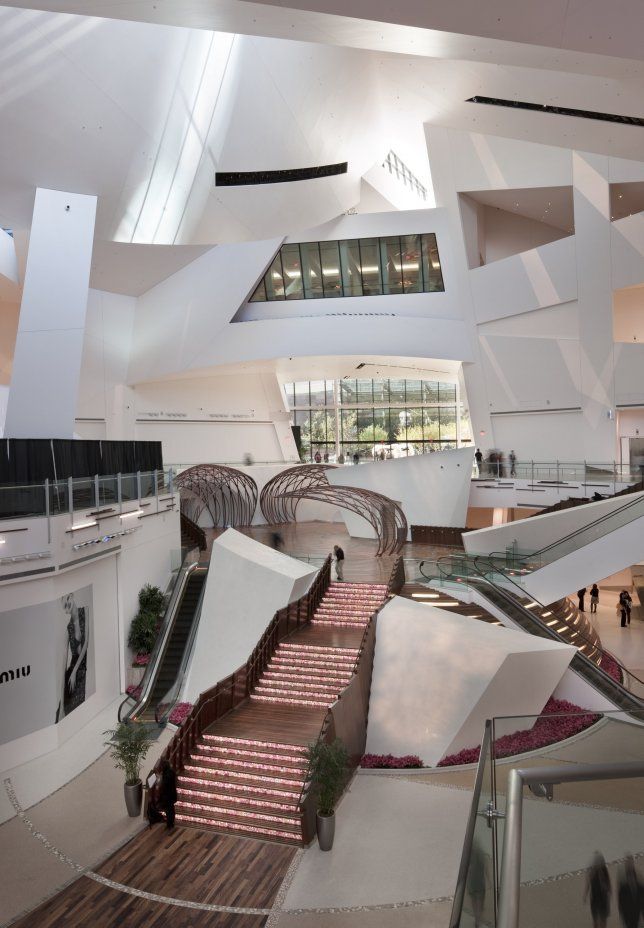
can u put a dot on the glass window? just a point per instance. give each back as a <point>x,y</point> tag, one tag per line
<point>318,425</point>
<point>259,296</point>
<point>349,424</point>
<point>348,391</point>
<point>364,391</point>
<point>412,276</point>
<point>381,425</point>
<point>303,419</point>
<point>466,427</point>
<point>318,393</point>
<point>432,275</point>
<point>311,270</point>
<point>414,391</point>
<point>448,423</point>
<point>397,391</point>
<point>289,393</point>
<point>430,391</point>
<point>331,280</point>
<point>391,265</point>
<point>365,425</point>
<point>302,394</point>
<point>370,266</point>
<point>381,391</point>
<point>292,269</point>
<point>350,267</point>
<point>431,423</point>
<point>274,281</point>
<point>447,392</point>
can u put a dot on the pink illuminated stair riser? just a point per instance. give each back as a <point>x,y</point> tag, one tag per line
<point>252,787</point>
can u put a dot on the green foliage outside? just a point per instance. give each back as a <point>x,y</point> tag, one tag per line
<point>129,743</point>
<point>328,767</point>
<point>145,624</point>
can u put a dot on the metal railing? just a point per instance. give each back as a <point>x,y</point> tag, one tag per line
<point>595,474</point>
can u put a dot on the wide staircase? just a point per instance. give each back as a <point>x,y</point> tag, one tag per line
<point>247,773</point>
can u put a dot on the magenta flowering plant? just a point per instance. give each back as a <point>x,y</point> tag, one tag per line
<point>133,690</point>
<point>391,762</point>
<point>610,666</point>
<point>180,713</point>
<point>141,660</point>
<point>559,720</point>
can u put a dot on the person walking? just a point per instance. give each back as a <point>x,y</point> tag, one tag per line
<point>594,597</point>
<point>630,894</point>
<point>581,593</point>
<point>356,457</point>
<point>598,888</point>
<point>339,562</point>
<point>625,596</point>
<point>317,457</point>
<point>513,464</point>
<point>620,609</point>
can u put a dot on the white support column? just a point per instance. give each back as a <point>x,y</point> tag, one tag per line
<point>47,360</point>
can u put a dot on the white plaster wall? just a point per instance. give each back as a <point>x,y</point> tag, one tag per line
<point>432,489</point>
<point>508,234</point>
<point>512,493</point>
<point>52,317</point>
<point>246,584</point>
<point>8,261</point>
<point>629,384</point>
<point>457,673</point>
<point>539,531</point>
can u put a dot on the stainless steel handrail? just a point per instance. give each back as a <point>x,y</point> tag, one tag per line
<point>510,884</point>
<point>163,637</point>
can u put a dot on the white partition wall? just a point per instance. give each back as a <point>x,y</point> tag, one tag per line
<point>432,489</point>
<point>47,360</point>
<point>247,583</point>
<point>438,676</point>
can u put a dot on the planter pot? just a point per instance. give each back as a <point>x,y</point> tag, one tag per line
<point>133,798</point>
<point>326,830</point>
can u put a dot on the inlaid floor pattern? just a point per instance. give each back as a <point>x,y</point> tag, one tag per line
<point>248,771</point>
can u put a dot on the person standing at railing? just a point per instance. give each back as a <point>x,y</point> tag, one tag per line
<point>626,602</point>
<point>598,888</point>
<point>594,597</point>
<point>478,457</point>
<point>163,797</point>
<point>513,464</point>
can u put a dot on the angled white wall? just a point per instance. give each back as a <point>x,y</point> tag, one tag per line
<point>47,359</point>
<point>432,489</point>
<point>438,676</point>
<point>247,583</point>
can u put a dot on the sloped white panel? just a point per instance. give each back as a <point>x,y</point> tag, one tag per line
<point>438,676</point>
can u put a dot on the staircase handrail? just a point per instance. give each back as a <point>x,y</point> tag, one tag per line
<point>397,576</point>
<point>167,625</point>
<point>237,686</point>
<point>535,619</point>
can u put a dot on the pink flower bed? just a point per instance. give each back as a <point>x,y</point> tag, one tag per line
<point>546,731</point>
<point>133,690</point>
<point>141,660</point>
<point>611,667</point>
<point>180,713</point>
<point>390,762</point>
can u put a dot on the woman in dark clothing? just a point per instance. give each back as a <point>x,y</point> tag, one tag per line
<point>167,793</point>
<point>629,894</point>
<point>599,889</point>
<point>581,593</point>
<point>594,597</point>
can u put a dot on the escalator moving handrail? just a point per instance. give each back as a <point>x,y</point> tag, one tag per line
<point>551,633</point>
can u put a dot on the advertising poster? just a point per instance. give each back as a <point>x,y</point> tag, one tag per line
<point>46,663</point>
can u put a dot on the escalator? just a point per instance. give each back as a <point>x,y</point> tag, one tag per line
<point>627,695</point>
<point>163,678</point>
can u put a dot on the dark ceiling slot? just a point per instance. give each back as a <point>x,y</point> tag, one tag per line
<point>559,110</point>
<point>244,178</point>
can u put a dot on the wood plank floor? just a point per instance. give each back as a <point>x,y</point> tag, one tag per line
<point>260,721</point>
<point>184,864</point>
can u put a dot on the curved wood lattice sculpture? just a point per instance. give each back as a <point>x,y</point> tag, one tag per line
<point>229,495</point>
<point>274,502</point>
<point>383,514</point>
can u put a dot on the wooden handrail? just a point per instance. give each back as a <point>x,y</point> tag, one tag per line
<point>234,689</point>
<point>397,576</point>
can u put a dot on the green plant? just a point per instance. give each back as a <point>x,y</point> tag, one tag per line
<point>143,632</point>
<point>328,768</point>
<point>145,624</point>
<point>129,743</point>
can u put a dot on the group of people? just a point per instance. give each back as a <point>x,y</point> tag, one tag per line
<point>623,607</point>
<point>630,892</point>
<point>496,465</point>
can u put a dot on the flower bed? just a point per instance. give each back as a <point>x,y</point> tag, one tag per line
<point>389,762</point>
<point>134,691</point>
<point>611,667</point>
<point>180,713</point>
<point>141,660</point>
<point>546,731</point>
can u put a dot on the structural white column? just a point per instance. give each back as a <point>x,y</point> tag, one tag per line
<point>595,295</point>
<point>47,360</point>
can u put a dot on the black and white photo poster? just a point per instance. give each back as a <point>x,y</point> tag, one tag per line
<point>46,662</point>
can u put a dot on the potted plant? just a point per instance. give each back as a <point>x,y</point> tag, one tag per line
<point>328,769</point>
<point>144,630</point>
<point>129,743</point>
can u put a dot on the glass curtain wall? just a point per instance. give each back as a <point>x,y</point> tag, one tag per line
<point>376,419</point>
<point>396,264</point>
